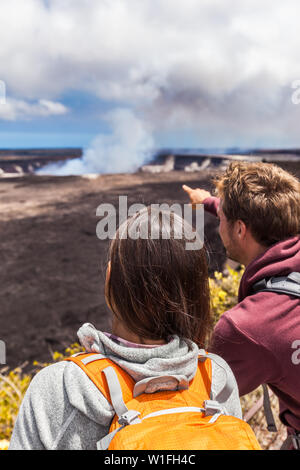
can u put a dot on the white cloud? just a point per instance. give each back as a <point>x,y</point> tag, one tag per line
<point>14,109</point>
<point>214,64</point>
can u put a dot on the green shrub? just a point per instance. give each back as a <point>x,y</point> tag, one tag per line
<point>13,385</point>
<point>224,291</point>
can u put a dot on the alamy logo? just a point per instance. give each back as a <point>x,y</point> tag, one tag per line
<point>296,354</point>
<point>2,352</point>
<point>296,94</point>
<point>2,92</point>
<point>181,228</point>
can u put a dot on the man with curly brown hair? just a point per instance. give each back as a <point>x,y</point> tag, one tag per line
<point>258,205</point>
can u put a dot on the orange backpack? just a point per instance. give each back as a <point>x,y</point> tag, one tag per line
<point>186,418</point>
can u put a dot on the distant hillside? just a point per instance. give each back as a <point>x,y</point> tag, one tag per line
<point>29,160</point>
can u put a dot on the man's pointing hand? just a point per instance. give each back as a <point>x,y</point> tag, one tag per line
<point>197,195</point>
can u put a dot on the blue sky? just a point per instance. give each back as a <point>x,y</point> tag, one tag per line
<point>75,128</point>
<point>188,74</point>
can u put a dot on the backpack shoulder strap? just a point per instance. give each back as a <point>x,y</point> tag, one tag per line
<point>271,425</point>
<point>216,404</point>
<point>125,416</point>
<point>114,383</point>
<point>289,284</point>
<point>94,364</point>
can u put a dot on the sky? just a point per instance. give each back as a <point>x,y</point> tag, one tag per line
<point>209,73</point>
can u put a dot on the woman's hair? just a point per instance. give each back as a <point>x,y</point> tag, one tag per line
<point>264,196</point>
<point>156,286</point>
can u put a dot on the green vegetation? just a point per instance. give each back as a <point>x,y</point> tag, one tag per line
<point>13,385</point>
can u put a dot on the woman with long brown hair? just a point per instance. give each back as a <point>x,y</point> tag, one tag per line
<point>158,287</point>
<point>158,293</point>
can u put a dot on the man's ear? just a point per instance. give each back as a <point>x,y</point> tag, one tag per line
<point>241,229</point>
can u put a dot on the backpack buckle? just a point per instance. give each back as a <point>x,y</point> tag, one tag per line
<point>296,441</point>
<point>130,417</point>
<point>292,442</point>
<point>212,407</point>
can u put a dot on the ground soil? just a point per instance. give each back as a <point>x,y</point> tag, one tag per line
<point>53,264</point>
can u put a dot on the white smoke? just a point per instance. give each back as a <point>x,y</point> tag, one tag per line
<point>123,150</point>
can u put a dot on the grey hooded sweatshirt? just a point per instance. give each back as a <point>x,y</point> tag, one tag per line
<point>64,410</point>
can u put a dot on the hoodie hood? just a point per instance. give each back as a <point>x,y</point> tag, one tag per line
<point>159,368</point>
<point>177,357</point>
<point>280,259</point>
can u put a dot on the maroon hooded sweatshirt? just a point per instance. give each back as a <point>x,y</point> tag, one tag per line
<point>260,336</point>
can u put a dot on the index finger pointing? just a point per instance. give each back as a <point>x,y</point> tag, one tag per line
<point>187,188</point>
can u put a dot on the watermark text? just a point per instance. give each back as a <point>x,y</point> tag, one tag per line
<point>2,92</point>
<point>2,352</point>
<point>185,223</point>
<point>296,353</point>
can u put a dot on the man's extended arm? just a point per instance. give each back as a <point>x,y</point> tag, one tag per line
<point>211,205</point>
<point>201,196</point>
